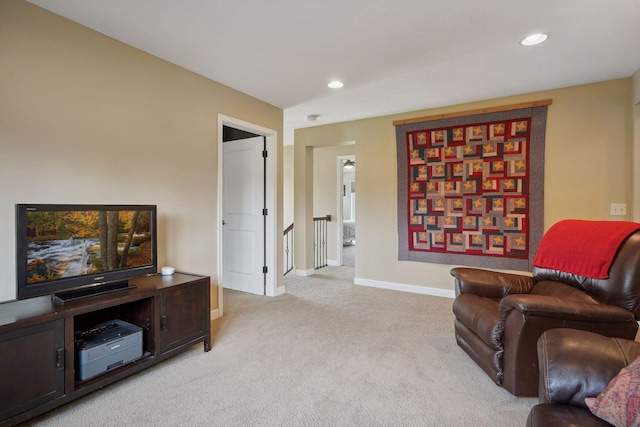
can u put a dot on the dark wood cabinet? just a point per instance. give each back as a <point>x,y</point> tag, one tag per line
<point>180,322</point>
<point>38,368</point>
<point>31,367</point>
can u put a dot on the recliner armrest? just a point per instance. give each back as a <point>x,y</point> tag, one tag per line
<point>488,283</point>
<point>576,364</point>
<point>561,308</point>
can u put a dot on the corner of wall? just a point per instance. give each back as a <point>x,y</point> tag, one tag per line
<point>635,111</point>
<point>635,84</point>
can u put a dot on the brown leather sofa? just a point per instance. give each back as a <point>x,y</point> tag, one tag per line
<point>499,317</point>
<point>573,365</point>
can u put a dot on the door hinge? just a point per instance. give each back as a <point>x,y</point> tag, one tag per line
<point>265,269</point>
<point>265,212</point>
<point>264,153</point>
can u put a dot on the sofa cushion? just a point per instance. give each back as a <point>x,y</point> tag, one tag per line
<point>619,402</point>
<point>560,415</point>
<point>564,291</point>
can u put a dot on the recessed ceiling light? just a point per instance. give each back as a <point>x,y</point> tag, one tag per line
<point>336,84</point>
<point>533,39</point>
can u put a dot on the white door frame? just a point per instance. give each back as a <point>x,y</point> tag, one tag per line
<point>340,201</point>
<point>271,187</point>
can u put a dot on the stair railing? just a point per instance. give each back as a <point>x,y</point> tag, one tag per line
<point>288,249</point>
<point>320,241</point>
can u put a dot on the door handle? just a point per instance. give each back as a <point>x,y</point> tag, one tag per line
<point>164,323</point>
<point>60,359</point>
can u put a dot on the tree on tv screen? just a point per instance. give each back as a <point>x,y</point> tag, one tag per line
<point>115,233</point>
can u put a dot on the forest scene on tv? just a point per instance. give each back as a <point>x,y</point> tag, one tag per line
<point>73,243</point>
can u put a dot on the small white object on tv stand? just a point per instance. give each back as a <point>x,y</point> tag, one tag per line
<point>167,271</point>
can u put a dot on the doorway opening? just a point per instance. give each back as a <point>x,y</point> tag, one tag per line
<point>259,190</point>
<point>347,209</point>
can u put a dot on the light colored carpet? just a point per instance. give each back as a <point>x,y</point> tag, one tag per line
<point>349,255</point>
<point>327,353</point>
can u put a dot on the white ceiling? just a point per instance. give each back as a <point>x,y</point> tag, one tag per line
<point>393,55</point>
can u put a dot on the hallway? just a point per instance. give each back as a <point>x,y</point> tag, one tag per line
<point>329,274</point>
<point>349,255</point>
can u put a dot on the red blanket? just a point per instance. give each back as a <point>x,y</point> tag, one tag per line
<point>581,247</point>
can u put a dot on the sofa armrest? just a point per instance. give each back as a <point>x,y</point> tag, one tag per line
<point>576,364</point>
<point>490,284</point>
<point>560,308</point>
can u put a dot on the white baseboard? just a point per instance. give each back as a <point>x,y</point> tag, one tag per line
<point>306,273</point>
<point>333,262</point>
<point>425,290</point>
<point>214,314</point>
<point>280,290</point>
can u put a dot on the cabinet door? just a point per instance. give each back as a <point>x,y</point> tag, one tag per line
<point>31,367</point>
<point>183,316</point>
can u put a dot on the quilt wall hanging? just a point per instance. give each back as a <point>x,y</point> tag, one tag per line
<point>471,187</point>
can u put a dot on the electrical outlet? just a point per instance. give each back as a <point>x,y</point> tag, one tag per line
<point>618,209</point>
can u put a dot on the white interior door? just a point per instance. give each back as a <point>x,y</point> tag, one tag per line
<point>243,229</point>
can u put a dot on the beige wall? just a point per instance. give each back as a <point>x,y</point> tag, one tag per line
<point>636,145</point>
<point>588,166</point>
<point>287,190</point>
<point>86,119</point>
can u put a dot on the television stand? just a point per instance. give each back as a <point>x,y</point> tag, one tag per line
<point>91,291</point>
<point>39,368</point>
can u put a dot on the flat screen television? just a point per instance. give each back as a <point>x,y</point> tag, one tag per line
<point>78,251</point>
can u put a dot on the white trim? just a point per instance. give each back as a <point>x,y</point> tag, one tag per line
<point>280,290</point>
<point>219,193</point>
<point>272,191</point>
<point>340,213</point>
<point>340,208</point>
<point>214,314</point>
<point>425,290</point>
<point>333,262</point>
<point>306,273</point>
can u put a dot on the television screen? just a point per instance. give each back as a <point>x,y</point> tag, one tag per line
<point>68,246</point>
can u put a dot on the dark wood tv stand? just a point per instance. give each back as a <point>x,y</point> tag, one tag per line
<point>37,355</point>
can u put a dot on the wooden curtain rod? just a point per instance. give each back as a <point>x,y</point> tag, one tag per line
<point>474,112</point>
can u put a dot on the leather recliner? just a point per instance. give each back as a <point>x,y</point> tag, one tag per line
<point>500,316</point>
<point>573,365</point>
